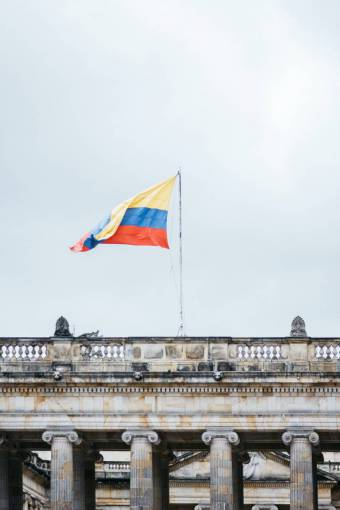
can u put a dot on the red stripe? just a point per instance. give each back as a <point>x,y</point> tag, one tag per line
<point>142,236</point>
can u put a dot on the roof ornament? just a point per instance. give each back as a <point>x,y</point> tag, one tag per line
<point>62,327</point>
<point>298,327</point>
<point>93,334</point>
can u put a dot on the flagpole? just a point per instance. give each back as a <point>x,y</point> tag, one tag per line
<point>181,315</point>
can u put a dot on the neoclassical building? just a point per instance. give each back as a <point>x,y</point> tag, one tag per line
<point>180,423</point>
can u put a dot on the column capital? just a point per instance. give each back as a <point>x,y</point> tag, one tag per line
<point>70,435</point>
<point>264,507</point>
<point>290,435</point>
<point>150,435</point>
<point>230,435</point>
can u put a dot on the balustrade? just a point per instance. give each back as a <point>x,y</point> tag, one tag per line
<point>23,351</point>
<point>259,352</point>
<point>103,352</point>
<point>327,351</point>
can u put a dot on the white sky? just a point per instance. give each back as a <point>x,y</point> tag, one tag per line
<point>101,99</point>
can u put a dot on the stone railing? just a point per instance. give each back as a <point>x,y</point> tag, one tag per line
<point>39,465</point>
<point>330,467</point>
<point>23,350</point>
<point>328,351</point>
<point>260,352</point>
<point>116,467</point>
<point>113,470</point>
<point>168,355</point>
<point>102,351</point>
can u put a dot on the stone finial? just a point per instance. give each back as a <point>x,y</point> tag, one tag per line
<point>298,327</point>
<point>62,327</point>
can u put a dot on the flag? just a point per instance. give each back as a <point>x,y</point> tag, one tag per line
<point>141,220</point>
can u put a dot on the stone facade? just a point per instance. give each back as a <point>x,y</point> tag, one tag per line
<point>153,396</point>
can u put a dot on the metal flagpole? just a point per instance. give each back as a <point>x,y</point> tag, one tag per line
<point>181,315</point>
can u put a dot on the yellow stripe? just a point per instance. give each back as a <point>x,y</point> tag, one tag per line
<point>156,197</point>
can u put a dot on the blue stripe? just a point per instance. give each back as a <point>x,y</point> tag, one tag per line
<point>91,242</point>
<point>145,217</point>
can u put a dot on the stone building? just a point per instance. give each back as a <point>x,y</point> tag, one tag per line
<point>183,423</point>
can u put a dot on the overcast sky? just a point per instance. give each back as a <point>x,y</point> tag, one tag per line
<point>101,99</point>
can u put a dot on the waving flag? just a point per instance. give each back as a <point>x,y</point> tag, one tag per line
<point>141,220</point>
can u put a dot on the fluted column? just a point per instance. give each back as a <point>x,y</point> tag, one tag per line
<point>62,475</point>
<point>142,493</point>
<point>303,489</point>
<point>224,472</point>
<point>4,482</point>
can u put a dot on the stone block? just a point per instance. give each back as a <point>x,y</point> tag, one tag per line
<point>195,351</point>
<point>275,366</point>
<point>153,351</point>
<point>140,367</point>
<point>224,366</point>
<point>174,351</point>
<point>136,352</point>
<point>298,351</point>
<point>205,366</point>
<point>219,351</point>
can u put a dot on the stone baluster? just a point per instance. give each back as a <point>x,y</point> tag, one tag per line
<point>62,475</point>
<point>4,482</point>
<point>142,492</point>
<point>224,472</point>
<point>303,484</point>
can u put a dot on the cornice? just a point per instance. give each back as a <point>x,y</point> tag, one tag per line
<point>204,482</point>
<point>197,389</point>
<point>174,466</point>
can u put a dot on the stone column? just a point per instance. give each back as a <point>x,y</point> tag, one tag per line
<point>4,482</point>
<point>16,494</point>
<point>161,459</point>
<point>239,457</point>
<point>303,490</point>
<point>142,493</point>
<point>92,456</point>
<point>62,476</point>
<point>223,469</point>
<point>79,478</point>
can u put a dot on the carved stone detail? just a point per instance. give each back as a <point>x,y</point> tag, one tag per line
<point>298,327</point>
<point>62,327</point>
<point>150,435</point>
<point>264,507</point>
<point>231,436</point>
<point>71,435</point>
<point>289,435</point>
